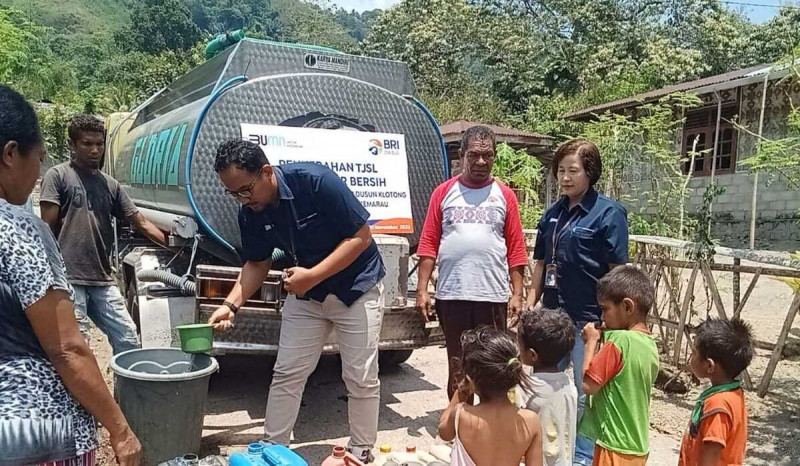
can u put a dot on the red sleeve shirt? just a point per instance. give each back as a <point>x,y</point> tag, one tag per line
<point>605,365</point>
<point>475,232</point>
<point>515,239</point>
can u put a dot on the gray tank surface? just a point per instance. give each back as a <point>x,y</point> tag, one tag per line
<point>163,153</point>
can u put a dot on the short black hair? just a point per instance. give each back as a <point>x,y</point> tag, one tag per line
<point>18,121</point>
<point>549,332</point>
<point>480,132</point>
<point>242,154</point>
<point>84,124</point>
<point>589,154</point>
<point>627,281</point>
<point>491,359</point>
<point>728,342</point>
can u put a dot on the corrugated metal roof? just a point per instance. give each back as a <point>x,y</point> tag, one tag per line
<point>731,77</point>
<point>458,127</point>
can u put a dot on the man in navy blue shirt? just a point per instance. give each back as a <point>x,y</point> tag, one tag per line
<point>306,210</point>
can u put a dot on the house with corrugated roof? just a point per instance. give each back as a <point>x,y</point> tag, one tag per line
<point>737,107</point>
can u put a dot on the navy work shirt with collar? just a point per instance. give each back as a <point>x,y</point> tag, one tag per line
<point>596,237</point>
<point>315,212</point>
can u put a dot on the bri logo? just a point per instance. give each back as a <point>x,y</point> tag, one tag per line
<point>375,147</point>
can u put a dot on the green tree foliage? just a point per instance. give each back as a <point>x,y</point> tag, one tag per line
<point>53,121</point>
<point>159,25</point>
<point>258,17</point>
<point>641,163</point>
<point>524,174</point>
<point>469,62</point>
<point>777,38</point>
<point>357,24</point>
<point>310,23</point>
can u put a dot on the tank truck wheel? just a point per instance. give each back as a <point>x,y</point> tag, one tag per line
<point>392,358</point>
<point>132,302</point>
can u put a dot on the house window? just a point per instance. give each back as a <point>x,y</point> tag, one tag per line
<point>701,125</point>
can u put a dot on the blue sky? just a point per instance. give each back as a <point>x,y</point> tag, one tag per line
<point>756,14</point>
<point>760,14</point>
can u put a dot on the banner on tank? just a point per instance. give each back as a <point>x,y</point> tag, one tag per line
<point>373,165</point>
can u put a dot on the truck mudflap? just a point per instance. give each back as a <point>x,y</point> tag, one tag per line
<point>257,331</point>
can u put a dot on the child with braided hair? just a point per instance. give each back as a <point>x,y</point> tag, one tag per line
<point>494,432</point>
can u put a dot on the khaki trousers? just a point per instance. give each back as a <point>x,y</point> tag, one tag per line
<point>305,326</point>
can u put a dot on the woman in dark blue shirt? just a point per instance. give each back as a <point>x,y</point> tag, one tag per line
<point>581,237</point>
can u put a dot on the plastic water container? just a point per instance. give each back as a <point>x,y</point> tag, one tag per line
<point>341,457</point>
<point>260,454</point>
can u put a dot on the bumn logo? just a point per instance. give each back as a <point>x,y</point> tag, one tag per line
<point>311,60</point>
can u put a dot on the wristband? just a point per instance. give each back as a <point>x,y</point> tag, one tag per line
<point>234,308</point>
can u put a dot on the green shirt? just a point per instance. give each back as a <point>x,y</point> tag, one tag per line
<point>618,416</point>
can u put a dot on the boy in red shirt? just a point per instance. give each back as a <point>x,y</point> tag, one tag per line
<point>717,432</point>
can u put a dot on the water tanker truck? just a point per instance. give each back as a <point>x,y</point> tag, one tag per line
<point>357,115</point>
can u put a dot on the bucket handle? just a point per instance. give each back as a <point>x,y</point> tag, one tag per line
<point>164,369</point>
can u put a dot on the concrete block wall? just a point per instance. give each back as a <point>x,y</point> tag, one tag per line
<point>777,214</point>
<point>775,198</point>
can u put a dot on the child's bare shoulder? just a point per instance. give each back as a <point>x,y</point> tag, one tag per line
<point>530,418</point>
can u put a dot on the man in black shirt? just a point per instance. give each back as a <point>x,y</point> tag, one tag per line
<point>78,201</point>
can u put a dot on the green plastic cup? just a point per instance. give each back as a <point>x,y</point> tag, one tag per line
<point>196,338</point>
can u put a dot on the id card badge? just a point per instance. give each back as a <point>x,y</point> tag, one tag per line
<point>550,276</point>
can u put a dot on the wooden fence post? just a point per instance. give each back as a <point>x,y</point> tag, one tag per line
<point>687,301</point>
<point>712,285</point>
<point>778,351</point>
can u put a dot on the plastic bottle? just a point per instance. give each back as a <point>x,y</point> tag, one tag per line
<point>341,457</point>
<point>384,457</point>
<point>411,457</point>
<point>261,454</point>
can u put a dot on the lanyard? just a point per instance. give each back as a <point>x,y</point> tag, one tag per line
<point>291,240</point>
<point>558,233</point>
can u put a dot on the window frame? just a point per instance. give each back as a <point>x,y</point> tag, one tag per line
<point>710,133</point>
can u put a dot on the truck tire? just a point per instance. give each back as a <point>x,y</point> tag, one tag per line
<point>393,358</point>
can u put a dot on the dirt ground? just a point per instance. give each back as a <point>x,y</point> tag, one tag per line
<point>412,397</point>
<point>774,421</point>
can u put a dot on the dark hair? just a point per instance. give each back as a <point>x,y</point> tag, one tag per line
<point>589,154</point>
<point>728,342</point>
<point>627,281</point>
<point>490,358</point>
<point>242,154</point>
<point>84,124</point>
<point>18,121</point>
<point>549,332</point>
<point>476,132</point>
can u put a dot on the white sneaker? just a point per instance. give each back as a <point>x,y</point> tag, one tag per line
<point>362,454</point>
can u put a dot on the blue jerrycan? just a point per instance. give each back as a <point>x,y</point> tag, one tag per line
<point>261,454</point>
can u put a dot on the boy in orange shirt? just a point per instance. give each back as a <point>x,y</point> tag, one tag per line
<point>717,432</point>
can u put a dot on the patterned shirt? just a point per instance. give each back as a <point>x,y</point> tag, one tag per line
<point>39,420</point>
<point>477,235</point>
